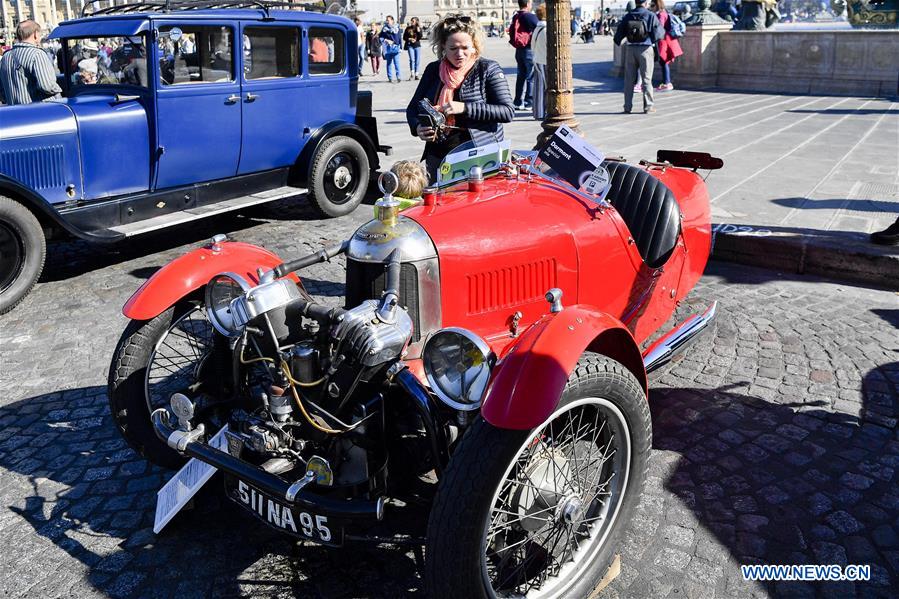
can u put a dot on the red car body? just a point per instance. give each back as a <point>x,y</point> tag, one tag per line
<point>500,247</point>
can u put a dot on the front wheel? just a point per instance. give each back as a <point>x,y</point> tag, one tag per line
<point>22,252</point>
<point>539,513</point>
<point>339,176</point>
<point>171,353</point>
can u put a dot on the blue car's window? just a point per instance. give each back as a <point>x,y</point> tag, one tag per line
<point>326,51</point>
<point>271,52</point>
<point>112,60</point>
<point>195,54</point>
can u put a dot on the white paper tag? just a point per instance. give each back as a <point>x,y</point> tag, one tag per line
<point>175,494</point>
<point>598,182</point>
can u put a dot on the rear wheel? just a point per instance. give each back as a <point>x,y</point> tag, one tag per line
<point>339,176</point>
<point>22,252</point>
<point>172,353</point>
<point>540,513</point>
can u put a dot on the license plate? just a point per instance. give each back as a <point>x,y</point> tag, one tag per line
<point>279,515</point>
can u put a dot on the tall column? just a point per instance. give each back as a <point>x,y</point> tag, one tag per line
<point>559,86</point>
<point>19,13</point>
<point>69,14</point>
<point>5,14</point>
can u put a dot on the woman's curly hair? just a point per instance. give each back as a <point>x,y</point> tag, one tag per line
<point>451,24</point>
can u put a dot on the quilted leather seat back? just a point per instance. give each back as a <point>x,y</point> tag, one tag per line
<point>648,208</point>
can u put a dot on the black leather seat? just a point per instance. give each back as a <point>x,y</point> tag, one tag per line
<point>648,208</point>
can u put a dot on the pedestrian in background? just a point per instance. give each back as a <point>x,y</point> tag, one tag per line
<point>391,42</point>
<point>27,74</point>
<point>538,45</point>
<point>360,40</point>
<point>412,41</point>
<point>373,43</point>
<point>520,30</point>
<point>642,30</point>
<point>668,47</point>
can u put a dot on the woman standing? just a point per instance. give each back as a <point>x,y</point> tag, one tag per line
<point>538,45</point>
<point>373,43</point>
<point>668,47</point>
<point>469,89</point>
<point>391,42</point>
<point>412,43</point>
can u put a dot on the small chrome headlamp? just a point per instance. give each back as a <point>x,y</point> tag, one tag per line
<point>221,291</point>
<point>457,364</point>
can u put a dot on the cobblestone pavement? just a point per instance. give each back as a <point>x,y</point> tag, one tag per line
<point>775,442</point>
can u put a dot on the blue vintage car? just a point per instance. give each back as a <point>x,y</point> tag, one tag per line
<point>173,112</point>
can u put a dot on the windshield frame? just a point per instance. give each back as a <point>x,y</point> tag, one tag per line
<point>73,90</point>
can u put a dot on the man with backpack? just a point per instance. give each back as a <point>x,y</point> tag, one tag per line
<point>523,24</point>
<point>642,30</point>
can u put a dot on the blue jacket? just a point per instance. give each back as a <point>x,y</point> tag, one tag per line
<point>651,21</point>
<point>391,33</point>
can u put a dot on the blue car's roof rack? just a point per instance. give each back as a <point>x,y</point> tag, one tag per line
<point>175,5</point>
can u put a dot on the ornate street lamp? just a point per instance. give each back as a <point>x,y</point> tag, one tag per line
<point>559,85</point>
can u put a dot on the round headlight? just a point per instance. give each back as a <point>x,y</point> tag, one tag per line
<point>221,290</point>
<point>457,363</point>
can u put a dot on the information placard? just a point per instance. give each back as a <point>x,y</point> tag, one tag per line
<point>572,158</point>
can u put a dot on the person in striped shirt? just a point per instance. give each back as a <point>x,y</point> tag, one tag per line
<point>26,73</point>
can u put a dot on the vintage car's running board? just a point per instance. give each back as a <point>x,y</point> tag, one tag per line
<point>186,216</point>
<point>677,339</point>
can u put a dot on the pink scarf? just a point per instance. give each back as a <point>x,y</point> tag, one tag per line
<point>452,78</point>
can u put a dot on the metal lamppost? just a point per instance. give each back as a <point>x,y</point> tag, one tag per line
<point>559,85</point>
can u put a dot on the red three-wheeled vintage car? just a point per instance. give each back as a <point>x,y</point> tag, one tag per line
<point>487,363</point>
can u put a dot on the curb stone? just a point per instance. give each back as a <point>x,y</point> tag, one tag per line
<point>837,255</point>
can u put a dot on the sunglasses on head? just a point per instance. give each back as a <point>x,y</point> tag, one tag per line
<point>456,19</point>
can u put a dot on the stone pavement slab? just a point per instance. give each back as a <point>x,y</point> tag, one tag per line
<point>814,175</point>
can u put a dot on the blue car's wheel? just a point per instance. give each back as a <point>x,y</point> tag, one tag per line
<point>22,252</point>
<point>339,177</point>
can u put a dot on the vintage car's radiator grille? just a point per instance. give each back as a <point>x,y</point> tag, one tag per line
<point>39,168</point>
<point>365,280</point>
<point>510,286</point>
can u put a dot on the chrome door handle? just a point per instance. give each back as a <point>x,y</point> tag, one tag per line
<point>232,99</point>
<point>251,97</point>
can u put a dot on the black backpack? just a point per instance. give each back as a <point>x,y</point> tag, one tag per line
<point>635,31</point>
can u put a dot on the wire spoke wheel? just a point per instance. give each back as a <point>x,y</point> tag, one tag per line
<point>177,360</point>
<point>557,500</point>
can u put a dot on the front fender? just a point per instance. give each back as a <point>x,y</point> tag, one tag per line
<point>186,274</point>
<point>529,380</point>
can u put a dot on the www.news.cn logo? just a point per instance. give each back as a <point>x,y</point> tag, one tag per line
<point>806,572</point>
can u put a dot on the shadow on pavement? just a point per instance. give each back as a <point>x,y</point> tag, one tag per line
<point>791,483</point>
<point>862,205</point>
<point>77,484</point>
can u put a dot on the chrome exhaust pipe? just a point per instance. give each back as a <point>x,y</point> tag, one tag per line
<point>677,339</point>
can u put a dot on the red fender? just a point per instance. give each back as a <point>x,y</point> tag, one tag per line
<point>528,381</point>
<point>186,274</point>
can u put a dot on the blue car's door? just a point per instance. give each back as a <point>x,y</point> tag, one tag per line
<point>198,103</point>
<point>275,99</point>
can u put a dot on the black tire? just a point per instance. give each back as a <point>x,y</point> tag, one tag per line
<point>132,389</point>
<point>23,250</point>
<point>338,179</point>
<point>456,564</point>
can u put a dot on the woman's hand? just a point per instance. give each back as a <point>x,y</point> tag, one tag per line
<point>426,133</point>
<point>452,108</point>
